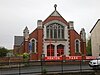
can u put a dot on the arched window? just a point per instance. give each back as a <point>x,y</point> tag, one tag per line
<point>60,50</point>
<point>32,46</point>
<point>54,31</point>
<point>77,46</point>
<point>50,50</point>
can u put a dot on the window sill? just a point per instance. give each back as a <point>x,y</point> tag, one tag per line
<point>55,39</point>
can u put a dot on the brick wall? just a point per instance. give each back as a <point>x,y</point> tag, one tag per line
<point>11,59</point>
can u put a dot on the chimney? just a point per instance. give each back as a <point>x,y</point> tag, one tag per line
<point>39,24</point>
<point>71,25</point>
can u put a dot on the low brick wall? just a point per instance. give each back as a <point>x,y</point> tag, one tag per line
<point>11,59</point>
<point>65,62</point>
<point>33,57</point>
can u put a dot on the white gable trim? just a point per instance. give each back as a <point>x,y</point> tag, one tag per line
<point>55,21</point>
<point>55,13</point>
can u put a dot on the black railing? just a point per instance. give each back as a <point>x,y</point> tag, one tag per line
<point>43,67</point>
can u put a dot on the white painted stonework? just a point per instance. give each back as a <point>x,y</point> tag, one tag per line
<point>55,13</point>
<point>55,43</point>
<point>95,40</point>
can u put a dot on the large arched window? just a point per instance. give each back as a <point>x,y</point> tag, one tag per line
<point>77,46</point>
<point>50,50</point>
<point>55,31</point>
<point>60,50</point>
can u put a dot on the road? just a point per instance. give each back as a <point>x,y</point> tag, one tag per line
<point>33,70</point>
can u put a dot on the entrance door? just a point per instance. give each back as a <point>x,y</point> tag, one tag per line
<point>60,50</point>
<point>50,50</point>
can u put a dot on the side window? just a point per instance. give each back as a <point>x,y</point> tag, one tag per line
<point>32,46</point>
<point>77,46</point>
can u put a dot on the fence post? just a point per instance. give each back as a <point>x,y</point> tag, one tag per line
<point>42,59</point>
<point>62,67</point>
<point>19,69</point>
<point>63,60</point>
<point>81,63</point>
<point>1,68</point>
<point>41,66</point>
<point>80,66</point>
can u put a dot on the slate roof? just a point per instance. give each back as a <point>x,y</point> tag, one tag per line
<point>18,40</point>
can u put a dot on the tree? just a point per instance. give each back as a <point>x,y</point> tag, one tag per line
<point>88,48</point>
<point>3,52</point>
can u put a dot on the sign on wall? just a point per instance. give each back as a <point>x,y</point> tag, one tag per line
<point>69,57</point>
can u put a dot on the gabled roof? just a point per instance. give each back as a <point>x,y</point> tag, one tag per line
<point>18,40</point>
<point>55,12</point>
<point>94,25</point>
<point>55,16</point>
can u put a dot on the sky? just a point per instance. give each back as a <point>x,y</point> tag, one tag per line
<point>15,15</point>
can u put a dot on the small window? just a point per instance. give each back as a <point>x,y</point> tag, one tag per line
<point>33,45</point>
<point>77,46</point>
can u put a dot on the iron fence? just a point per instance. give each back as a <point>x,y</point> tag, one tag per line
<point>43,67</point>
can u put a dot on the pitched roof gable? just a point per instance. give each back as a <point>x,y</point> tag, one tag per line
<point>18,40</point>
<point>55,16</point>
<point>94,25</point>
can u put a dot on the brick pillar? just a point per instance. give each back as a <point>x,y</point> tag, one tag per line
<point>40,42</point>
<point>26,47</point>
<point>84,48</point>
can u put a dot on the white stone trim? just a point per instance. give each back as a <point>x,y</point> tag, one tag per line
<point>66,33</point>
<point>55,51</point>
<point>44,32</point>
<point>67,48</point>
<point>55,43</point>
<point>65,43</point>
<point>45,50</point>
<point>59,22</point>
<point>55,21</point>
<point>55,13</point>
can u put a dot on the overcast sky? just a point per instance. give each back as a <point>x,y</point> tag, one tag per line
<point>15,15</point>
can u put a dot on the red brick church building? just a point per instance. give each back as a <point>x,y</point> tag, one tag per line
<point>53,37</point>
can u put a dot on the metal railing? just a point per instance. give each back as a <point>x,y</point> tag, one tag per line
<point>43,67</point>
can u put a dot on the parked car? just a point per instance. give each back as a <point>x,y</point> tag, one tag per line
<point>95,64</point>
